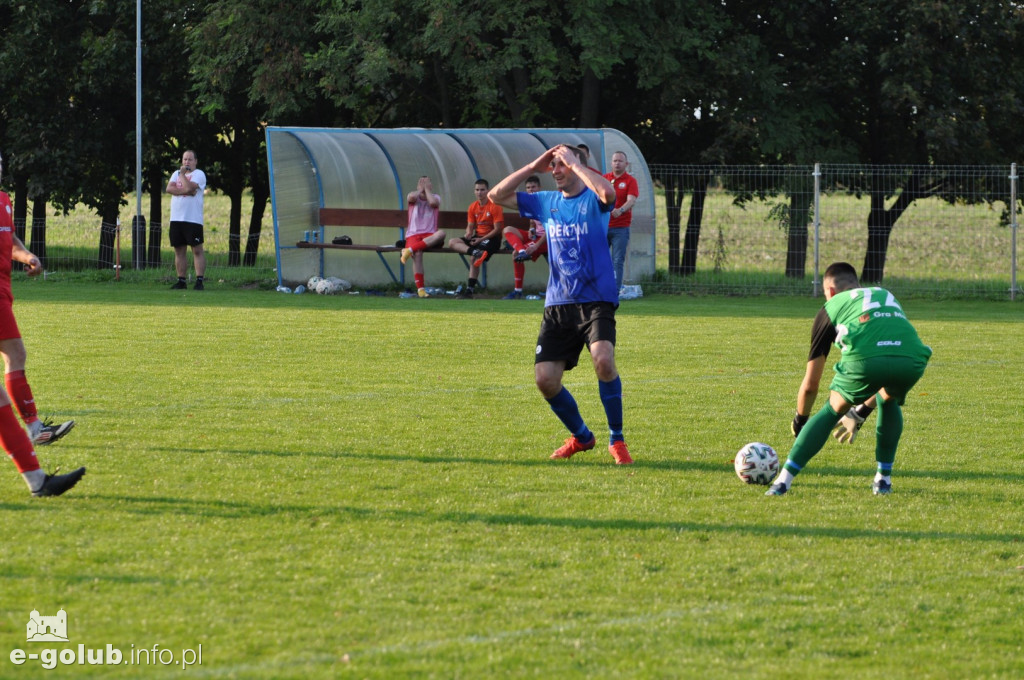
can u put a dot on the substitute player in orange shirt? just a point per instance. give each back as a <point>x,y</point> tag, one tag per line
<point>485,221</point>
<point>17,444</point>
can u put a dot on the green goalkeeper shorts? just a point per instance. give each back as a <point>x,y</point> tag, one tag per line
<point>858,380</point>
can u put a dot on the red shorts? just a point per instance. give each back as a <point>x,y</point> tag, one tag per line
<point>8,326</point>
<point>524,236</point>
<point>415,241</point>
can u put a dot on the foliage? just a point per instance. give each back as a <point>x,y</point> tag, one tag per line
<point>748,81</point>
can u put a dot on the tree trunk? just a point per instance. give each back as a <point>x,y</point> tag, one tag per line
<point>673,205</point>
<point>38,242</point>
<point>882,220</point>
<point>235,227</point>
<point>156,195</point>
<point>590,100</point>
<point>108,236</point>
<point>796,249</point>
<point>693,223</point>
<point>879,229</point>
<point>20,206</point>
<point>260,195</point>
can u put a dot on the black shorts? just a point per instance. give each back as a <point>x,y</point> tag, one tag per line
<point>489,245</point>
<point>185,234</point>
<point>566,329</point>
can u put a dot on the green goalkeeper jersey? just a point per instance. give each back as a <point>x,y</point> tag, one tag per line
<point>869,322</point>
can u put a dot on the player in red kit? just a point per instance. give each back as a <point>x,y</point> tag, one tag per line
<point>19,445</point>
<point>527,244</point>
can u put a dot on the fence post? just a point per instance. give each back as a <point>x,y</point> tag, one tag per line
<point>1013,232</point>
<point>817,227</point>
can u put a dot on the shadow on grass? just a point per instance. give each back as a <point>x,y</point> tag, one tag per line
<point>592,459</point>
<point>596,459</point>
<point>164,505</point>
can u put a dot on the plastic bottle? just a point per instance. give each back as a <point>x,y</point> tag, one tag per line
<point>300,289</point>
<point>284,289</point>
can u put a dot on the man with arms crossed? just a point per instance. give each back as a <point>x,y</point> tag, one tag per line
<point>881,355</point>
<point>186,188</point>
<point>581,296</point>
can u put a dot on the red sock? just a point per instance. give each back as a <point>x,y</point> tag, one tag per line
<point>419,280</point>
<point>15,442</point>
<point>21,395</point>
<point>515,242</point>
<point>417,245</point>
<point>518,272</point>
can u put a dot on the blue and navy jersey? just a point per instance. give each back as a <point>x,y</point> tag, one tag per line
<point>577,229</point>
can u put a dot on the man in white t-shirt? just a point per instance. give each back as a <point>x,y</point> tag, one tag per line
<point>186,188</point>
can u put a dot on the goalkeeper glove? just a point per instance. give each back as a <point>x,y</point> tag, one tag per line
<point>850,424</point>
<point>798,423</point>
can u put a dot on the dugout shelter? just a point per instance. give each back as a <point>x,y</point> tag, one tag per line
<point>345,168</point>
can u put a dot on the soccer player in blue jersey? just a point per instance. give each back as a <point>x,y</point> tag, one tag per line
<point>581,297</point>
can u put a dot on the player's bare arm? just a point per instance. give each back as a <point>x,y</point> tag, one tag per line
<point>504,192</point>
<point>19,253</point>
<point>809,387</point>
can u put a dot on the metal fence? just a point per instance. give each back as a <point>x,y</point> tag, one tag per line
<point>940,231</point>
<point>929,230</point>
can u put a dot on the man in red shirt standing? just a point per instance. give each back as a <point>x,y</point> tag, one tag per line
<point>626,193</point>
<point>485,220</point>
<point>18,444</point>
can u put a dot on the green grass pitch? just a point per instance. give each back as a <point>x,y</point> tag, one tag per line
<point>313,487</point>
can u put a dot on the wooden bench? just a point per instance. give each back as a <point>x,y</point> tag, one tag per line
<point>453,222</point>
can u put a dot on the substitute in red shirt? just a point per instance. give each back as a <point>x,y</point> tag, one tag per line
<point>626,193</point>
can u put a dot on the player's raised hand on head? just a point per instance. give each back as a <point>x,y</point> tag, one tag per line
<point>543,162</point>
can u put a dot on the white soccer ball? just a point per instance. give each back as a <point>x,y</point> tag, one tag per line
<point>325,287</point>
<point>339,284</point>
<point>313,280</point>
<point>756,463</point>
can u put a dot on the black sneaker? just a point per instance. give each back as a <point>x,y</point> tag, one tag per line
<point>881,488</point>
<point>180,285</point>
<point>777,489</point>
<point>464,294</point>
<point>49,433</point>
<point>55,485</point>
<point>198,286</point>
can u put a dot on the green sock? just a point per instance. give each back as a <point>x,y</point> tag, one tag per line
<point>812,437</point>
<point>888,431</point>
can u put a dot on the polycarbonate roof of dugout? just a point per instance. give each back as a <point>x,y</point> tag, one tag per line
<point>312,168</point>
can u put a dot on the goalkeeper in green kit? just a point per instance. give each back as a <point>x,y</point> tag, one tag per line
<point>882,358</point>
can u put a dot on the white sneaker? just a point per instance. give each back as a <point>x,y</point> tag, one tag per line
<point>44,433</point>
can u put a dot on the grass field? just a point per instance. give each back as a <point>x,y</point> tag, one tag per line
<point>314,487</point>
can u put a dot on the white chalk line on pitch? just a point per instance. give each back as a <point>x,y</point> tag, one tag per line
<point>468,640</point>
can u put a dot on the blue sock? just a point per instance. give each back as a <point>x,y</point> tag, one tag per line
<point>568,412</point>
<point>611,397</point>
